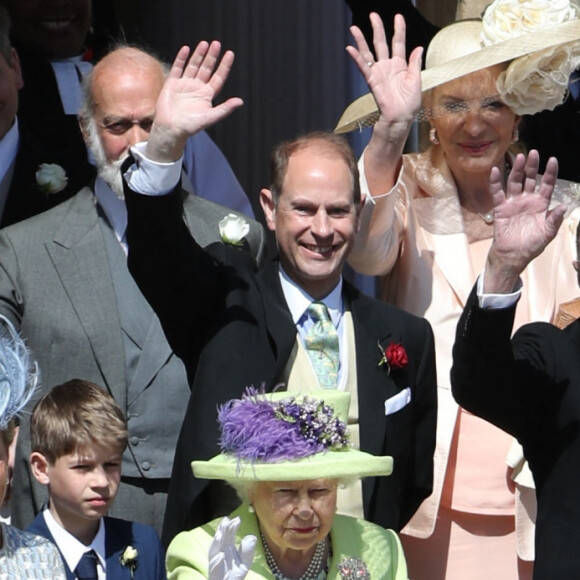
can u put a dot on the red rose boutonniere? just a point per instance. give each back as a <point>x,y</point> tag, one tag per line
<point>394,356</point>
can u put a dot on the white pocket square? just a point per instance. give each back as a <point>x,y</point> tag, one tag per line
<point>398,401</point>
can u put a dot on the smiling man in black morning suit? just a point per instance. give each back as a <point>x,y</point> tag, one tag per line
<point>235,328</point>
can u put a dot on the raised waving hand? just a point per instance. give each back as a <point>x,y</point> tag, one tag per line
<point>185,105</point>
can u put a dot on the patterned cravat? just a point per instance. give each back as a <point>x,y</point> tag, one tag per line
<point>321,343</point>
<point>87,567</point>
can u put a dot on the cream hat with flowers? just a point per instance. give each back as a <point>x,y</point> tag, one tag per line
<point>541,38</point>
<point>281,437</point>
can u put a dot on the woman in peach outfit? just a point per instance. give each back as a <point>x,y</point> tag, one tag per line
<point>427,230</point>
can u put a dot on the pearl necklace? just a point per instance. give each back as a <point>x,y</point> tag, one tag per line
<point>314,568</point>
<point>487,217</point>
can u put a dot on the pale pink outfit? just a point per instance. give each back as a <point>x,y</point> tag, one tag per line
<point>418,239</point>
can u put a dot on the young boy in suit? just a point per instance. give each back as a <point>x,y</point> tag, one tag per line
<point>78,435</point>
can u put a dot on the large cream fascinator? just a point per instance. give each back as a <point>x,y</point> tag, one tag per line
<point>541,38</point>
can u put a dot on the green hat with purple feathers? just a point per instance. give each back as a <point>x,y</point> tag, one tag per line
<point>288,437</point>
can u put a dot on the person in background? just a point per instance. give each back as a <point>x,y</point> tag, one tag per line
<point>24,158</point>
<point>427,227</point>
<point>78,436</point>
<point>22,555</point>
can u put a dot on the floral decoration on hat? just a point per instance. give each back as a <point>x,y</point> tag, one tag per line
<point>233,229</point>
<point>394,356</point>
<point>51,178</point>
<point>257,429</point>
<point>539,80</point>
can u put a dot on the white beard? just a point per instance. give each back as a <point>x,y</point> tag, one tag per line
<point>108,171</point>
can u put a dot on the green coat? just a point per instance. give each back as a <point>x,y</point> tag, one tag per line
<point>379,549</point>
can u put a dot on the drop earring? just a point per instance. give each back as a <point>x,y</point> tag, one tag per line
<point>433,136</point>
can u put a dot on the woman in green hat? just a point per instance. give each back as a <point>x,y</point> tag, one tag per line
<point>286,457</point>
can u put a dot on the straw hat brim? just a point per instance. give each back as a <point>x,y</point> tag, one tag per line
<point>364,111</point>
<point>329,465</point>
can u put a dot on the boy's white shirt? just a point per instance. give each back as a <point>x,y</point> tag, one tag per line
<point>73,549</point>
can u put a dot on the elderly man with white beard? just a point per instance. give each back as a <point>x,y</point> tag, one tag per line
<point>64,283</point>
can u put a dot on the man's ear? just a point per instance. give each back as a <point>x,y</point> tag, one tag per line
<point>269,208</point>
<point>39,467</point>
<point>15,66</point>
<point>83,129</point>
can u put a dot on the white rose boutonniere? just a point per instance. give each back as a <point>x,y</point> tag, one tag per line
<point>129,559</point>
<point>233,229</point>
<point>51,178</point>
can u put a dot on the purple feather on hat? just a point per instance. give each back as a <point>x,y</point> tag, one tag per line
<point>256,429</point>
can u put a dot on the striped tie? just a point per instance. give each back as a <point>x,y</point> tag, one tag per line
<point>321,343</point>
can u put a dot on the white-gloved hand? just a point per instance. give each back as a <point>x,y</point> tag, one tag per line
<point>226,562</point>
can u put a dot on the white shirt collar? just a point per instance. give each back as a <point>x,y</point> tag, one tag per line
<point>114,209</point>
<point>73,549</point>
<point>9,148</point>
<point>298,300</point>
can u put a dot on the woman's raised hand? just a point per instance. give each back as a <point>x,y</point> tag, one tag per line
<point>394,82</point>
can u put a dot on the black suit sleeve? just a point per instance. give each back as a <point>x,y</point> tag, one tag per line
<point>507,381</point>
<point>185,284</point>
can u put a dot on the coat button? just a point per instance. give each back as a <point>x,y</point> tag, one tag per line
<point>134,441</point>
<point>146,466</point>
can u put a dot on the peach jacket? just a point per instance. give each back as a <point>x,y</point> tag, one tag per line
<point>417,243</point>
